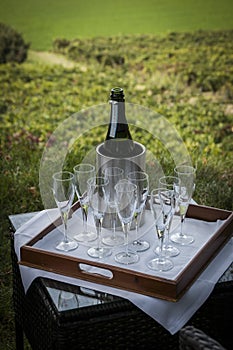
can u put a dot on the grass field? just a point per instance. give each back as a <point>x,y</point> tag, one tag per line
<point>43,21</point>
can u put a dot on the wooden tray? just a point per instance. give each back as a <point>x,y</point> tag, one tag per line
<point>133,280</point>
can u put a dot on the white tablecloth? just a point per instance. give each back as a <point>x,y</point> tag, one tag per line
<point>170,315</point>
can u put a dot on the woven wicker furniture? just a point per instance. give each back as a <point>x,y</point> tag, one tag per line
<point>115,324</point>
<point>191,338</point>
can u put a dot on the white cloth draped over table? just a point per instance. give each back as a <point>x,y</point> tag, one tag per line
<point>171,315</point>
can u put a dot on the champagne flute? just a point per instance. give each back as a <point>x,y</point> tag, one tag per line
<point>169,204</point>
<point>83,172</point>
<point>161,263</point>
<point>63,191</point>
<point>141,180</point>
<point>113,174</point>
<point>186,174</point>
<point>126,200</point>
<point>98,188</point>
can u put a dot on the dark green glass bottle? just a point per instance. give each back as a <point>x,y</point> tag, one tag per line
<point>118,142</point>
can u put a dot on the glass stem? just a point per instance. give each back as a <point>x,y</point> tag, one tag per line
<point>181,225</point>
<point>137,223</point>
<point>98,229</point>
<point>166,243</point>
<point>126,232</point>
<point>136,227</point>
<point>114,224</point>
<point>161,249</point>
<point>64,216</point>
<point>84,214</point>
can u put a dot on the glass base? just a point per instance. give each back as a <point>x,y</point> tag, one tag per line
<point>101,252</point>
<point>169,251</point>
<point>181,239</point>
<point>85,236</point>
<point>126,258</point>
<point>113,240</point>
<point>67,301</point>
<point>139,246</point>
<point>160,264</point>
<point>67,246</point>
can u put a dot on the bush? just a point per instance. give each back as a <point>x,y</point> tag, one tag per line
<point>12,45</point>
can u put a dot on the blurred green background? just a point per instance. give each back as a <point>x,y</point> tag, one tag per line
<point>43,21</point>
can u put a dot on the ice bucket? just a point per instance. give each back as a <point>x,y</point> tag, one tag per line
<point>135,163</point>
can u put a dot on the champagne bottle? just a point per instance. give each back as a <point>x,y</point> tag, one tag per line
<point>118,142</point>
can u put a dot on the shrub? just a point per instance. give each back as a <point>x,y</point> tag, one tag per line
<point>60,45</point>
<point>12,45</point>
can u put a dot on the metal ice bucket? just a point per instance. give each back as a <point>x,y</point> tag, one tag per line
<point>135,163</point>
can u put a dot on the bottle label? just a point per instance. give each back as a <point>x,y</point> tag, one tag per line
<point>114,119</point>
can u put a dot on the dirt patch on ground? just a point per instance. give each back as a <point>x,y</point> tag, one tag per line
<point>51,58</point>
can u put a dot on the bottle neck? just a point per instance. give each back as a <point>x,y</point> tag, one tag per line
<point>117,116</point>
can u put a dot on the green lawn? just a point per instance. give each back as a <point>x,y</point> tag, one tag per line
<point>43,21</point>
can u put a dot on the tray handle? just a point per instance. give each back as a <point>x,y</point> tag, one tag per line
<point>94,270</point>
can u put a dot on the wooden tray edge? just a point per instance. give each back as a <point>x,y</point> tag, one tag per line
<point>132,280</point>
